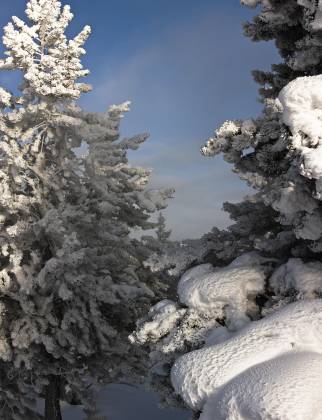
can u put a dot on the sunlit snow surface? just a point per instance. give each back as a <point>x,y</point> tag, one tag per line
<point>270,369</point>
<point>287,387</point>
<point>120,402</point>
<point>225,291</point>
<point>301,102</point>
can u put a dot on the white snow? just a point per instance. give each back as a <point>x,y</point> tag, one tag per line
<point>302,105</point>
<point>228,129</point>
<point>223,291</point>
<point>217,336</point>
<point>164,317</point>
<point>5,97</point>
<point>250,3</point>
<point>306,3</point>
<point>317,22</point>
<point>254,3</point>
<point>310,227</point>
<point>302,112</point>
<point>293,200</point>
<point>305,279</point>
<point>287,387</point>
<point>230,371</point>
<point>312,161</point>
<point>248,127</point>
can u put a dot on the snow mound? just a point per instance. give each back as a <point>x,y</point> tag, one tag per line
<point>225,291</point>
<point>305,279</point>
<point>285,388</point>
<point>302,112</point>
<point>200,374</point>
<point>302,105</point>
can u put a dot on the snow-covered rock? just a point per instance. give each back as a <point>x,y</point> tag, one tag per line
<point>201,374</point>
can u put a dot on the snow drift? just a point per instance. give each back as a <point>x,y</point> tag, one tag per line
<point>287,387</point>
<point>259,371</point>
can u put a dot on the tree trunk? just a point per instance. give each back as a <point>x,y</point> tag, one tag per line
<point>52,399</point>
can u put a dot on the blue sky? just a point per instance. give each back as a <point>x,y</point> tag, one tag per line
<point>185,66</point>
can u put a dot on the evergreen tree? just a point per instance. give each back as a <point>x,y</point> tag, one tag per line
<point>162,233</point>
<point>277,239</point>
<point>71,277</point>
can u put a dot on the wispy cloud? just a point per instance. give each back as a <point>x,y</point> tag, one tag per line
<point>184,78</point>
<point>182,86</point>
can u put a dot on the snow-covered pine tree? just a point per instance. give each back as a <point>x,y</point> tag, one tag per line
<point>70,285</point>
<point>161,232</point>
<point>248,333</point>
